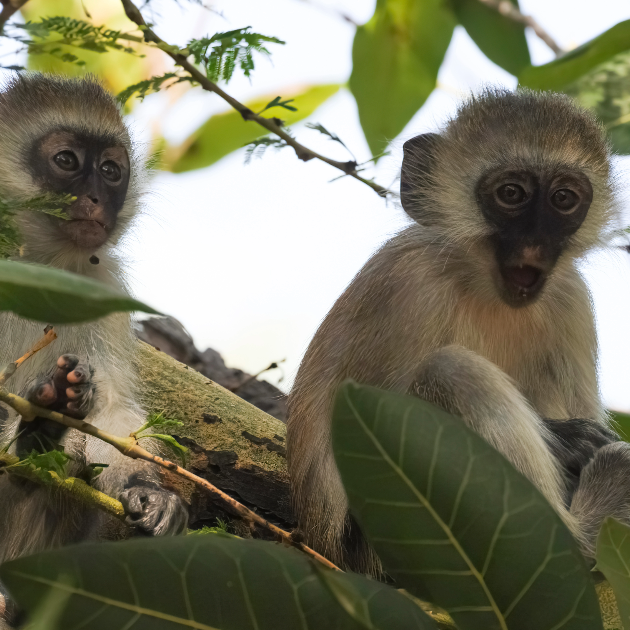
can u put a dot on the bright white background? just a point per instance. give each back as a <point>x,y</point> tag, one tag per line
<point>250,258</point>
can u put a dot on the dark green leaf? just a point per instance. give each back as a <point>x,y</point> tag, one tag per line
<point>447,513</point>
<point>205,582</point>
<point>396,57</point>
<point>278,102</point>
<point>227,132</point>
<point>613,560</point>
<point>58,297</point>
<point>502,40</point>
<point>576,63</point>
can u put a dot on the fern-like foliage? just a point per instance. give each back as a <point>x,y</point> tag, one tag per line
<point>10,240</point>
<point>154,84</point>
<point>257,148</point>
<point>222,53</point>
<point>49,35</point>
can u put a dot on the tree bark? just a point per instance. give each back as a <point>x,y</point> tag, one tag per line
<point>233,444</point>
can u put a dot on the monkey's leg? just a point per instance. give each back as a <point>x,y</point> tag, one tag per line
<point>468,385</point>
<point>603,491</point>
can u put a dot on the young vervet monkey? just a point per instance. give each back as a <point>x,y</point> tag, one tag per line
<point>478,307</point>
<point>67,136</point>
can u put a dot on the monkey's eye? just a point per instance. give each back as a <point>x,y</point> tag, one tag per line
<point>66,161</point>
<point>564,200</point>
<point>511,194</point>
<point>111,171</point>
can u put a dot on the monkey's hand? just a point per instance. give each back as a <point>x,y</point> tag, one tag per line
<point>70,390</point>
<point>155,511</point>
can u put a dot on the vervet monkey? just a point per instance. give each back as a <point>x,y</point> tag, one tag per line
<point>67,136</point>
<point>479,308</point>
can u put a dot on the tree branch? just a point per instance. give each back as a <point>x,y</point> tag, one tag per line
<point>270,124</point>
<point>508,10</point>
<point>129,447</point>
<point>9,7</point>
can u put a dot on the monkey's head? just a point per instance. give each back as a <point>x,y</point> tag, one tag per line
<point>65,136</point>
<point>523,178</point>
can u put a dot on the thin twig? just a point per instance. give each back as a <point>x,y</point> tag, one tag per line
<point>49,336</point>
<point>270,124</point>
<point>129,446</point>
<point>508,10</point>
<point>9,8</point>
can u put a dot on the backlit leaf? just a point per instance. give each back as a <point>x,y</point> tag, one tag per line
<point>396,57</point>
<point>223,133</point>
<point>502,40</point>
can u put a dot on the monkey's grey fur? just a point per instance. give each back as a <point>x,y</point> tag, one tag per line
<point>424,316</point>
<point>31,518</point>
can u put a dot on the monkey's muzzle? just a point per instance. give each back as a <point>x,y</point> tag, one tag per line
<point>522,283</point>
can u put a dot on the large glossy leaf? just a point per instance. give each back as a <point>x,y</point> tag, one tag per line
<point>212,581</point>
<point>502,40</point>
<point>58,297</point>
<point>447,513</point>
<point>396,57</point>
<point>576,63</point>
<point>606,91</point>
<point>227,132</point>
<point>613,560</point>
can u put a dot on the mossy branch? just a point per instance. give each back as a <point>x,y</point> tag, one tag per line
<point>129,447</point>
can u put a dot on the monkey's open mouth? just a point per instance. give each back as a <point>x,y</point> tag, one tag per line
<point>523,281</point>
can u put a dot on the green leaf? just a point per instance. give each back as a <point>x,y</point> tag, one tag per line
<point>447,513</point>
<point>205,582</point>
<point>502,40</point>
<point>621,424</point>
<point>613,560</point>
<point>356,596</point>
<point>576,63</point>
<point>178,450</point>
<point>54,296</point>
<point>396,57</point>
<point>223,133</point>
<point>606,91</point>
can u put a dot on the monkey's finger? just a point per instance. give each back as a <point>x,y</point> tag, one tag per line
<point>80,374</point>
<point>65,363</point>
<point>42,392</point>
<point>76,392</point>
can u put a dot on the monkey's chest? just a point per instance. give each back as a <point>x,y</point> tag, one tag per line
<point>524,349</point>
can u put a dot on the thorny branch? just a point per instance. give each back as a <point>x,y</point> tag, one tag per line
<point>129,446</point>
<point>507,9</point>
<point>270,124</point>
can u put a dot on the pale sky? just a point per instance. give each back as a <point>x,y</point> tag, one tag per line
<point>250,258</point>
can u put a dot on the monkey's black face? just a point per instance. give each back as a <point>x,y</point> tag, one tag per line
<point>93,169</point>
<point>534,214</point>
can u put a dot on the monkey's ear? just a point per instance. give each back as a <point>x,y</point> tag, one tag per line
<point>417,161</point>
